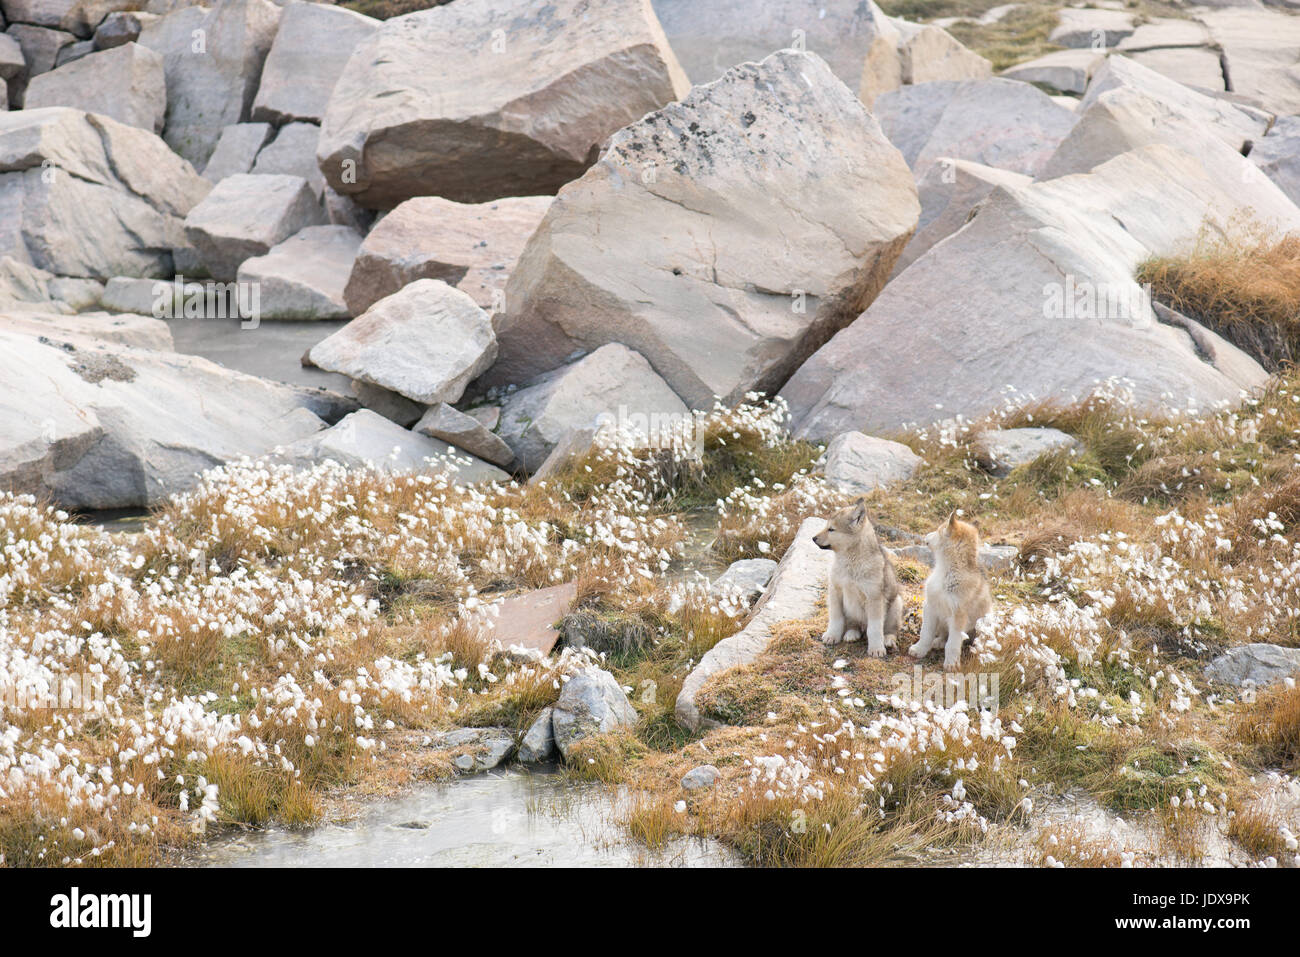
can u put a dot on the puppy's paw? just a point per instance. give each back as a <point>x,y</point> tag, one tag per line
<point>951,665</point>
<point>891,641</point>
<point>831,638</point>
<point>916,651</point>
<point>852,634</point>
<point>876,651</point>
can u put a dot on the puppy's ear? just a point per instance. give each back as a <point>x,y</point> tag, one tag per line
<point>951,524</point>
<point>859,513</point>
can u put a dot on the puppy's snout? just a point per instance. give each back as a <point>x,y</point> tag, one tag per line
<point>821,541</point>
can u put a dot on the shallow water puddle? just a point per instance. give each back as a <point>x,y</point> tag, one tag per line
<point>510,818</point>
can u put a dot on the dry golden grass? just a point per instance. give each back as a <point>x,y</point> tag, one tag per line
<point>1071,845</point>
<point>1247,292</point>
<point>1271,726</point>
<point>1258,831</point>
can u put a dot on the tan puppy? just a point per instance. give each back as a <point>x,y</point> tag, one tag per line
<point>862,593</point>
<point>956,593</point>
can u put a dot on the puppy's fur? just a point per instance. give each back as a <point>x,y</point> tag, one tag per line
<point>862,593</point>
<point>956,593</point>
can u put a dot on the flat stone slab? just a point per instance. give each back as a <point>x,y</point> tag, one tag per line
<point>1255,665</point>
<point>797,588</point>
<point>529,619</point>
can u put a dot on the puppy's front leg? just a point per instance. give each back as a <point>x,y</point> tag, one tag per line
<point>952,650</point>
<point>929,630</point>
<point>875,627</point>
<point>835,615</point>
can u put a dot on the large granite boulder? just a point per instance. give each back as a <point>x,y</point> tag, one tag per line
<point>609,386</point>
<point>949,190</point>
<point>723,238</point>
<point>1037,293</point>
<point>97,425</point>
<point>78,17</point>
<point>245,215</point>
<point>480,99</point>
<point>303,277</point>
<point>213,60</point>
<point>293,153</point>
<point>84,195</point>
<point>365,438</point>
<point>1001,123</point>
<point>1128,105</point>
<point>125,83</point>
<point>236,150</point>
<point>470,246</point>
<point>426,342</point>
<point>306,59</point>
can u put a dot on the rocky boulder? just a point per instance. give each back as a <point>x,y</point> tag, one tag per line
<point>293,153</point>
<point>1066,71</point>
<point>1037,292</point>
<point>303,277</point>
<point>245,216</point>
<point>1256,665</point>
<point>121,27</point>
<point>426,342</point>
<point>608,386</point>
<point>1277,154</point>
<point>470,246</point>
<point>78,17</point>
<point>125,83</point>
<point>41,47</point>
<point>475,749</point>
<point>84,195</point>
<point>723,237</point>
<point>444,422</point>
<point>119,427</point>
<point>591,702</point>
<point>538,743</point>
<point>1128,106</point>
<point>365,438</point>
<point>212,59</point>
<point>236,151</point>
<point>859,464</point>
<point>487,98</point>
<point>1006,449</point>
<point>13,64</point>
<point>305,61</point>
<point>949,190</point>
<point>1087,28</point>
<point>996,122</point>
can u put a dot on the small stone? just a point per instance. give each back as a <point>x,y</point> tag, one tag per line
<point>701,777</point>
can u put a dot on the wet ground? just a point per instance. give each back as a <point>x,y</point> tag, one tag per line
<point>511,818</point>
<point>272,350</point>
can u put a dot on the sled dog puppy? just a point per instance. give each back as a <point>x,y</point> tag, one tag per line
<point>862,593</point>
<point>956,593</point>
